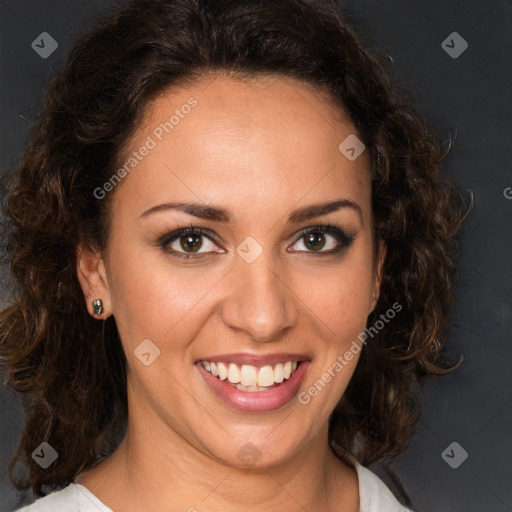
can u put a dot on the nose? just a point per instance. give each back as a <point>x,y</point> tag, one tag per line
<point>259,303</point>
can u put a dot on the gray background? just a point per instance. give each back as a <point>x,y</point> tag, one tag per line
<point>467,99</point>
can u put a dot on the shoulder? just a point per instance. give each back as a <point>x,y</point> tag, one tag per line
<point>73,498</point>
<point>374,495</point>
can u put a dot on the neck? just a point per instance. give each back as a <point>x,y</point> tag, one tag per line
<point>155,468</point>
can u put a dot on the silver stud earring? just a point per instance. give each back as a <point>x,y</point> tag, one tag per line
<point>97,306</point>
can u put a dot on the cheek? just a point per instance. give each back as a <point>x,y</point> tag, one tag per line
<point>341,297</point>
<point>153,299</point>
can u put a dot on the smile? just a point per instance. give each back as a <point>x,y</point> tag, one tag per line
<point>268,384</point>
<point>251,378</point>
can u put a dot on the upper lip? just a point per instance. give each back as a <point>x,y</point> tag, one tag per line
<point>255,359</point>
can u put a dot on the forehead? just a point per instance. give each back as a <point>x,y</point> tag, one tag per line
<point>222,139</point>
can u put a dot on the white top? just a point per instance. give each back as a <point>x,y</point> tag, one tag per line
<point>374,496</point>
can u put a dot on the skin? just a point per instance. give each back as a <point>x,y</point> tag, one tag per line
<point>260,149</point>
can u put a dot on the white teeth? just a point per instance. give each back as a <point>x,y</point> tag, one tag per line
<point>233,373</point>
<point>251,378</point>
<point>251,389</point>
<point>223,371</point>
<point>278,373</point>
<point>266,376</point>
<point>287,369</point>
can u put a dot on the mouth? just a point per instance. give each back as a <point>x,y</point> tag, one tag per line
<point>257,387</point>
<point>249,378</point>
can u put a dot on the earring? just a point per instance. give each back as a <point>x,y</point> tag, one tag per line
<point>97,306</point>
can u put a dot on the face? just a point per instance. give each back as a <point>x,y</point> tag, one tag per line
<point>241,249</point>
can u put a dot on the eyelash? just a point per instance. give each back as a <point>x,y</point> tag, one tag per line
<point>344,239</point>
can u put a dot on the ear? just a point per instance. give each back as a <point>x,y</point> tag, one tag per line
<point>92,275</point>
<point>378,270</point>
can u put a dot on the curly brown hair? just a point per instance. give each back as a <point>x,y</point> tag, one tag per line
<point>69,367</point>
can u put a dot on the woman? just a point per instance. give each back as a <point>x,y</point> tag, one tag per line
<point>232,252</point>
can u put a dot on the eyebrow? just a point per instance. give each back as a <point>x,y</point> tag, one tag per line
<point>218,214</point>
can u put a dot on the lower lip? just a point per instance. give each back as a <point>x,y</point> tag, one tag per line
<point>257,401</point>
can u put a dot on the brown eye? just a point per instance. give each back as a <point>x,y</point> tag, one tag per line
<point>323,240</point>
<point>188,242</point>
<point>314,241</point>
<point>192,242</point>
